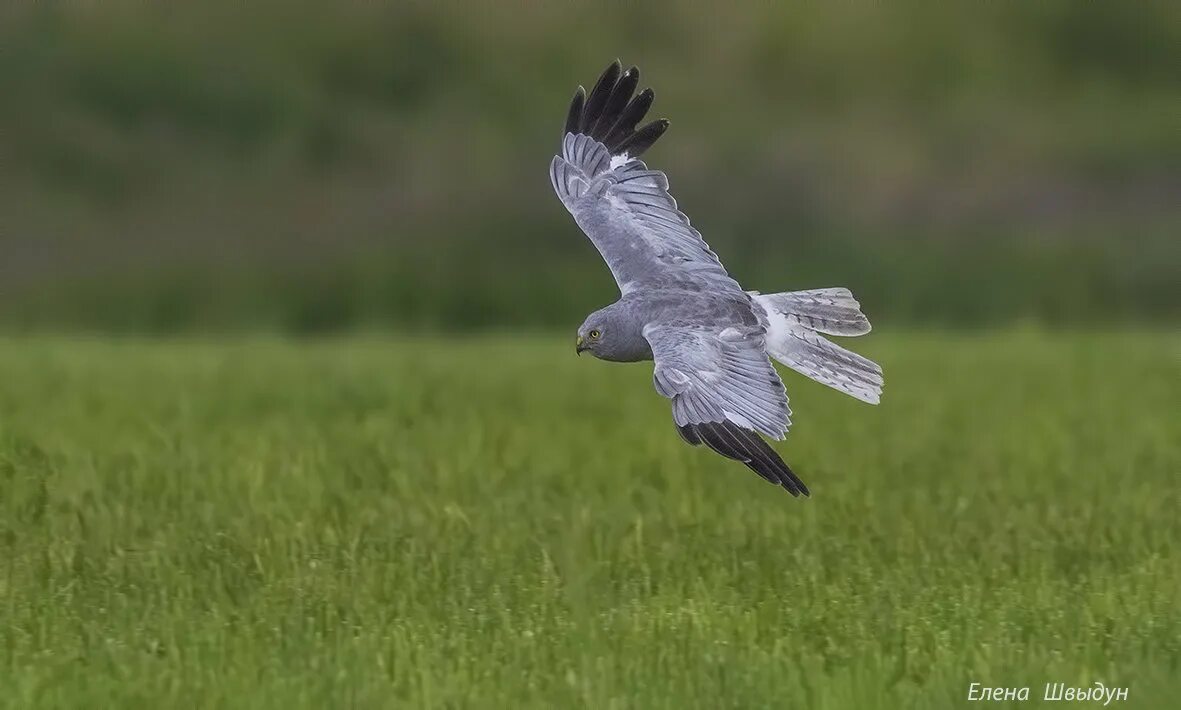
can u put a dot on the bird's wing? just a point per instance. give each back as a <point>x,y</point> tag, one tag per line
<point>624,207</point>
<point>724,392</point>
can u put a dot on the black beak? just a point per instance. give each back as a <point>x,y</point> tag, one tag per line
<point>578,346</point>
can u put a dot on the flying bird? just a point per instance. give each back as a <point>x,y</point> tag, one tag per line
<point>711,340</point>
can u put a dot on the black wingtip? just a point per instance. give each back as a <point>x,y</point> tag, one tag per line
<point>609,113</point>
<point>625,125</point>
<point>640,141</point>
<point>734,442</point>
<point>689,434</point>
<point>615,104</point>
<point>574,115</point>
<point>597,99</point>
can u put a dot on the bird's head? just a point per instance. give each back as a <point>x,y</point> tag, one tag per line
<point>613,333</point>
<point>592,336</point>
<point>603,334</point>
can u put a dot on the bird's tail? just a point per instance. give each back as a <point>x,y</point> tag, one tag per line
<point>795,321</point>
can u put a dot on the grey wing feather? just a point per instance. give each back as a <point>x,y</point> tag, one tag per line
<point>633,221</point>
<point>715,374</point>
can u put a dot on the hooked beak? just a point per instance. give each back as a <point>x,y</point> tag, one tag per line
<point>578,345</point>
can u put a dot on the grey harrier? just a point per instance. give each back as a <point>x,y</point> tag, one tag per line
<point>710,339</point>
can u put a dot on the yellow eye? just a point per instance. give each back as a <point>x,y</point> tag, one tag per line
<point>594,334</point>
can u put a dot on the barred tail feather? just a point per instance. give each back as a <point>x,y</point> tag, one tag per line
<point>794,323</point>
<point>825,310</point>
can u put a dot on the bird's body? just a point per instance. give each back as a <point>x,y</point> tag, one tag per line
<point>710,339</point>
<point>634,312</point>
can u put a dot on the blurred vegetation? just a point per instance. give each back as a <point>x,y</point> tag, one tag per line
<point>373,522</point>
<point>310,168</point>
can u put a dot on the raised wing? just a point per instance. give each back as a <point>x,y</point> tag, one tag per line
<point>724,392</point>
<point>619,203</point>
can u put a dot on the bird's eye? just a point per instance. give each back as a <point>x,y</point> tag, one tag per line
<point>594,334</point>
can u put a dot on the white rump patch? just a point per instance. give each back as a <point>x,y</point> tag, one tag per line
<point>777,326</point>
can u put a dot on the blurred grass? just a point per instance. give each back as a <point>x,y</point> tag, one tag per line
<point>492,522</point>
<point>306,168</point>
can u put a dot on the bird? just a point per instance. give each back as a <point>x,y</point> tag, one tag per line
<point>710,340</point>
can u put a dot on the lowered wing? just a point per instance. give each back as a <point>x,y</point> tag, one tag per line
<point>724,392</point>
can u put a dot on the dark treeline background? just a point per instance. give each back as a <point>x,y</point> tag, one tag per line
<point>227,166</point>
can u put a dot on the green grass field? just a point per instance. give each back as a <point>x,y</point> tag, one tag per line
<point>382,522</point>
